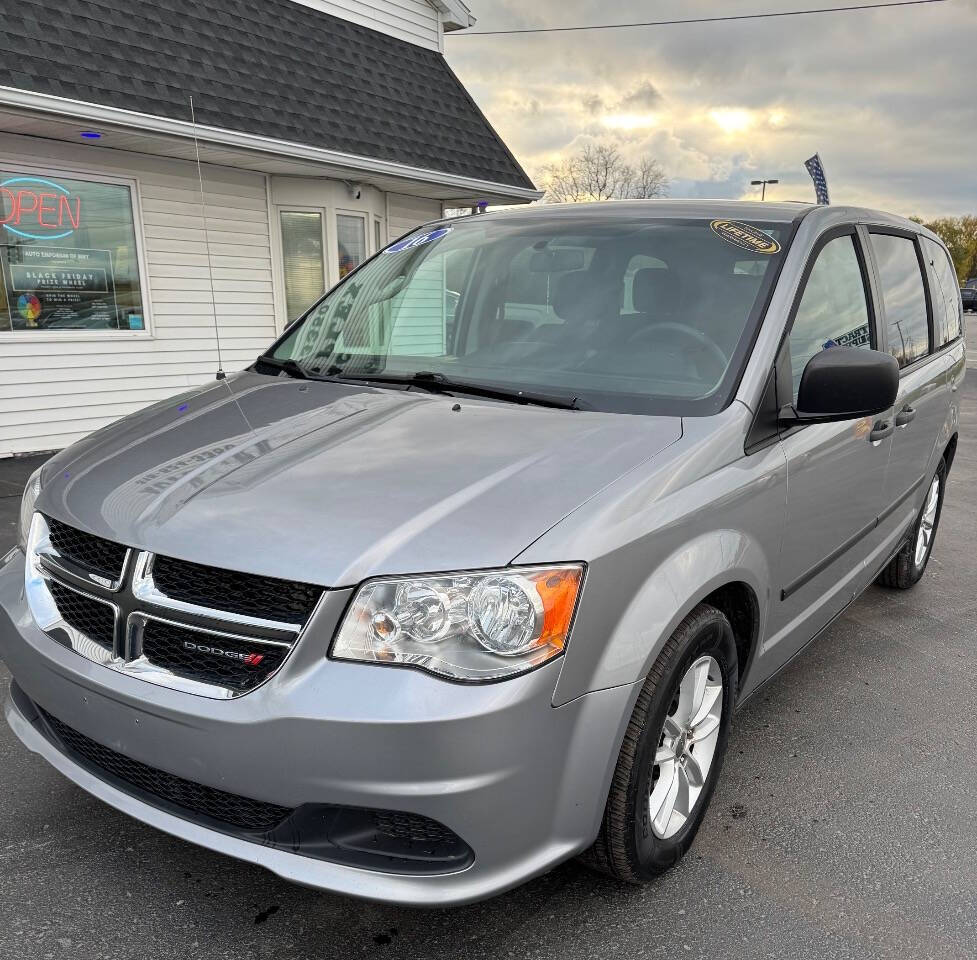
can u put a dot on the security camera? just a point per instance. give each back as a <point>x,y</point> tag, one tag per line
<point>355,190</point>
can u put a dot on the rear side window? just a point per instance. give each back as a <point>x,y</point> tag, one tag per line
<point>833,311</point>
<point>947,307</point>
<point>904,297</point>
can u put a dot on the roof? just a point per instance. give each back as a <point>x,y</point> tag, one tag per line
<point>693,209</point>
<point>749,210</point>
<point>269,67</point>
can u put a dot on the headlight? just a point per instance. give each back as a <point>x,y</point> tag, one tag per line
<point>465,626</point>
<point>31,492</point>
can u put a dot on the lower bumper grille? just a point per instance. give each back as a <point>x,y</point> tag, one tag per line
<point>411,829</point>
<point>388,840</point>
<point>226,808</point>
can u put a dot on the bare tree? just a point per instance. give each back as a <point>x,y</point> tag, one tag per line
<point>649,180</point>
<point>599,172</point>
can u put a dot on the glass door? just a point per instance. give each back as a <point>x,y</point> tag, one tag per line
<point>351,237</point>
<point>302,258</point>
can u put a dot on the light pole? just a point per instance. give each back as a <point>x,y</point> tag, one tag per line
<point>757,183</point>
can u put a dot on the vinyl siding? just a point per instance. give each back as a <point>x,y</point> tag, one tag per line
<point>420,314</point>
<point>54,390</point>
<point>415,21</point>
<point>405,213</point>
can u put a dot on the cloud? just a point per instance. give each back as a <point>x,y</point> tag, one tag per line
<point>885,96</point>
<point>593,104</point>
<point>644,97</point>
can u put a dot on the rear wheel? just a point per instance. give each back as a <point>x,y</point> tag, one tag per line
<point>907,566</point>
<point>672,752</point>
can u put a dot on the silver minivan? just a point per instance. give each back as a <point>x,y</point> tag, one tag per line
<point>467,573</point>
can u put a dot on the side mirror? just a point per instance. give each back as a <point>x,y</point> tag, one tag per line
<point>844,383</point>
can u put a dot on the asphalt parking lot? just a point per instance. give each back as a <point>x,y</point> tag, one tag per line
<point>845,824</point>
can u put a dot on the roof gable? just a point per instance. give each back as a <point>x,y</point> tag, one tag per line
<point>269,67</point>
<point>417,21</point>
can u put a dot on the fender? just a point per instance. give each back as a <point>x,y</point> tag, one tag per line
<point>700,515</point>
<point>669,592</point>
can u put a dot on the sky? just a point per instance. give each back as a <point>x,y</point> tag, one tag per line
<point>887,97</point>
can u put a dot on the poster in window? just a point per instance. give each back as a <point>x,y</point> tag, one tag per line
<point>53,288</point>
<point>68,258</point>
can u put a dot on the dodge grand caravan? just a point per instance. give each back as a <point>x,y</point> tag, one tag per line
<point>467,573</point>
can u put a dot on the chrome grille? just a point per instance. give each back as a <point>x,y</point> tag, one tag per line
<point>93,618</point>
<point>206,640</point>
<point>243,593</point>
<point>226,661</point>
<point>86,550</point>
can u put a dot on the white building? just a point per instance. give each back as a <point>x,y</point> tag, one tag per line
<point>326,128</point>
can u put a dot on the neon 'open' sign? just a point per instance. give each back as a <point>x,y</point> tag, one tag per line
<point>38,209</point>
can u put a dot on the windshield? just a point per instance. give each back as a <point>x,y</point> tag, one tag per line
<point>619,313</point>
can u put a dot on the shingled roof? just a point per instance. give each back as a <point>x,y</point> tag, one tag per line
<point>269,67</point>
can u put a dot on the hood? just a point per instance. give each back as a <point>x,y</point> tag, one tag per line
<point>333,483</point>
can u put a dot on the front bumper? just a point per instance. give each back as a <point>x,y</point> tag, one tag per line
<point>521,782</point>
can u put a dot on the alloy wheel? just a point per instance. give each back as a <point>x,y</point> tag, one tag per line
<point>686,747</point>
<point>924,537</point>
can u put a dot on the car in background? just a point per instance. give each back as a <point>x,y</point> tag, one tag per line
<point>968,293</point>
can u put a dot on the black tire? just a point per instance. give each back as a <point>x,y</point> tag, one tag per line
<point>626,847</point>
<point>902,571</point>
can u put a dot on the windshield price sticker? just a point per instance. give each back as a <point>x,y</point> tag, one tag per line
<point>418,240</point>
<point>745,236</point>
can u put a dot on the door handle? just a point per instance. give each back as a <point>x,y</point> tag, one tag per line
<point>880,430</point>
<point>906,415</point>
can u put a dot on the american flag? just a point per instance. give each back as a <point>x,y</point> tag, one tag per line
<point>816,169</point>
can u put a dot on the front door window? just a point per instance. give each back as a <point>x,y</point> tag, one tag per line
<point>833,311</point>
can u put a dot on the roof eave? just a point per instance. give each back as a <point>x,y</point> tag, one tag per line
<point>455,15</point>
<point>149,123</point>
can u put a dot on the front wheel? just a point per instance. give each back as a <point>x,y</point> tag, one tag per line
<point>672,752</point>
<point>907,566</point>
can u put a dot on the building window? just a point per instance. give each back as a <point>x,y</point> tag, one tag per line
<point>377,236</point>
<point>305,277</point>
<point>351,234</point>
<point>68,255</point>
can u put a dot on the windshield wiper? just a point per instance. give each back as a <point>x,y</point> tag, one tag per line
<point>439,383</point>
<point>292,367</point>
<point>426,380</point>
<point>295,369</point>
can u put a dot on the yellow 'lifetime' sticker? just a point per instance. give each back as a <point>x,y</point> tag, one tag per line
<point>745,237</point>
